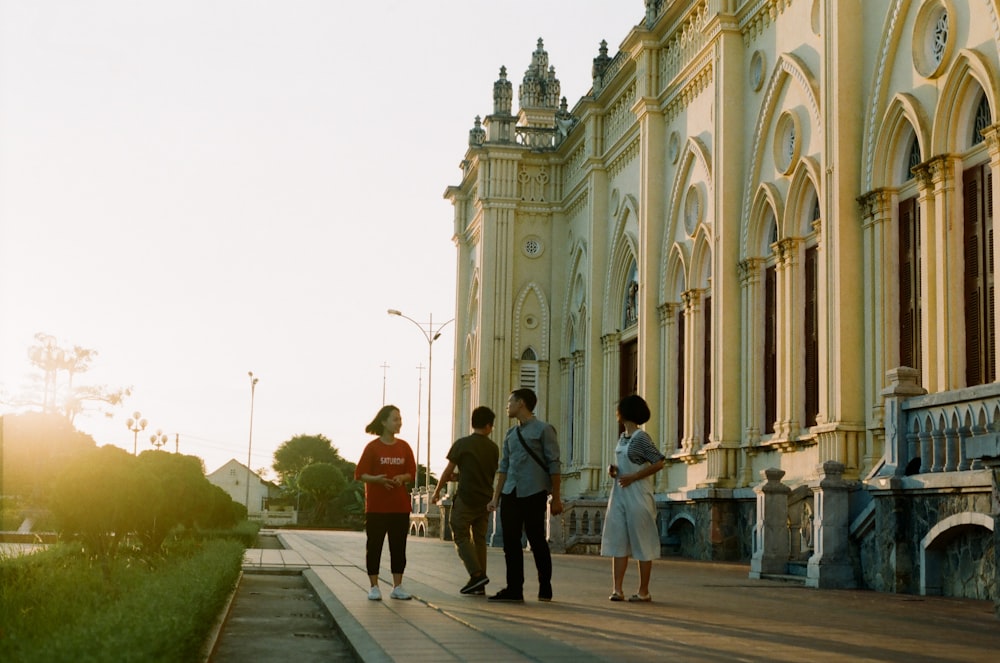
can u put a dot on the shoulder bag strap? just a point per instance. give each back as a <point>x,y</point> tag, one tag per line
<point>531,453</point>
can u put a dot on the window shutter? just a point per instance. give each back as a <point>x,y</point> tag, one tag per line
<point>680,378</point>
<point>811,336</point>
<point>529,376</point>
<point>707,384</point>
<point>974,282</point>
<point>770,349</point>
<point>989,328</point>
<point>909,284</point>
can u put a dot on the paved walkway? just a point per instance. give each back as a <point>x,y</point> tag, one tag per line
<point>700,612</point>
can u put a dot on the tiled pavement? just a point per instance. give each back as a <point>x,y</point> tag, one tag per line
<point>700,612</point>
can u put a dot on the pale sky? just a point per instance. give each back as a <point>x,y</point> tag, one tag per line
<point>201,188</point>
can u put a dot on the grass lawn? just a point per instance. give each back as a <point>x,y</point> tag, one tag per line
<point>59,605</point>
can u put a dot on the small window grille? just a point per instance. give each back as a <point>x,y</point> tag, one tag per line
<point>631,304</point>
<point>939,37</point>
<point>914,159</point>
<point>983,120</point>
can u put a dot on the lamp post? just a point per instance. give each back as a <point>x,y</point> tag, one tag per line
<point>431,334</point>
<point>158,439</point>
<point>135,424</point>
<point>253,388</point>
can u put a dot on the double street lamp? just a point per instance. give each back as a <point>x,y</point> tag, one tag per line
<point>158,439</point>
<point>135,424</point>
<point>431,334</point>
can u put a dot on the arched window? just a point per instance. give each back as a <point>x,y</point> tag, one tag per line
<point>982,120</point>
<point>630,307</point>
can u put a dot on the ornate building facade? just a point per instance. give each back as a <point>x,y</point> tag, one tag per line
<point>773,220</point>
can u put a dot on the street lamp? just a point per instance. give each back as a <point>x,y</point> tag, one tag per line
<point>431,334</point>
<point>136,424</point>
<point>158,439</point>
<point>253,388</point>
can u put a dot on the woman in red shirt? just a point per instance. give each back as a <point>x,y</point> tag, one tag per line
<point>386,467</point>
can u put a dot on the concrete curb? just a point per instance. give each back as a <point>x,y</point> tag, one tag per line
<point>213,638</point>
<point>364,645</point>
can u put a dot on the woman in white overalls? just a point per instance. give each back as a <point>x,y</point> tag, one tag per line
<point>630,523</point>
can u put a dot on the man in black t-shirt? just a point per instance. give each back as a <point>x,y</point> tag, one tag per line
<point>476,457</point>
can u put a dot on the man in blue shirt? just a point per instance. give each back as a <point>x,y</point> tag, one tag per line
<point>528,473</point>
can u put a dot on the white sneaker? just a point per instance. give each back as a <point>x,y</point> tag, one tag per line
<point>375,594</point>
<point>399,593</point>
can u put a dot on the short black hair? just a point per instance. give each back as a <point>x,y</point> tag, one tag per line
<point>526,395</point>
<point>633,408</point>
<point>482,417</point>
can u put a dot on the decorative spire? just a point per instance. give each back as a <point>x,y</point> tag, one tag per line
<point>600,63</point>
<point>540,87</point>
<point>477,135</point>
<point>502,94</point>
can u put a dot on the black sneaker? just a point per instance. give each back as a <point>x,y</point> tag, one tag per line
<point>507,595</point>
<point>545,592</point>
<point>474,584</point>
<point>476,592</point>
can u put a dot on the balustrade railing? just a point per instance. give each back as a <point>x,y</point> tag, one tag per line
<point>930,432</point>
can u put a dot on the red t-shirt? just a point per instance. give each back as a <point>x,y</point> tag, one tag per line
<point>391,460</point>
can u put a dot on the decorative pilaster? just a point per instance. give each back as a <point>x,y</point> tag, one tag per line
<point>770,534</point>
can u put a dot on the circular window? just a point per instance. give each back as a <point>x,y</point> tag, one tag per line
<point>932,45</point>
<point>786,142</point>
<point>692,210</point>
<point>532,247</point>
<point>757,70</point>
<point>530,321</point>
<point>674,149</point>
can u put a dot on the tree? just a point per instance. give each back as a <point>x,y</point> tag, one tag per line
<point>294,455</point>
<point>100,498</point>
<point>302,450</point>
<point>321,481</point>
<point>62,396</point>
<point>182,496</point>
<point>37,448</point>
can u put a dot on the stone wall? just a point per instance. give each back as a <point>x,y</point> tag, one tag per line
<point>728,522</point>
<point>891,551</point>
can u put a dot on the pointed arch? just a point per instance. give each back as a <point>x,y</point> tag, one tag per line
<point>803,193</point>
<point>767,206</point>
<point>695,166</point>
<point>624,252</point>
<point>904,115</point>
<point>536,290</point>
<point>675,279</point>
<point>969,74</point>
<point>788,69</point>
<point>701,259</point>
<point>576,292</point>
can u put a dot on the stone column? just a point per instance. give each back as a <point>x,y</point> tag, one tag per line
<point>770,534</point>
<point>830,566</point>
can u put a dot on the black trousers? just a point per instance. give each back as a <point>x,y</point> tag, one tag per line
<point>377,525</point>
<point>527,514</point>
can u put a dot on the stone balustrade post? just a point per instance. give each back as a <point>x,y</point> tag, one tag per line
<point>902,385</point>
<point>830,565</point>
<point>770,534</point>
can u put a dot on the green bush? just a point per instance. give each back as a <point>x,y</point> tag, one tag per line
<point>57,606</point>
